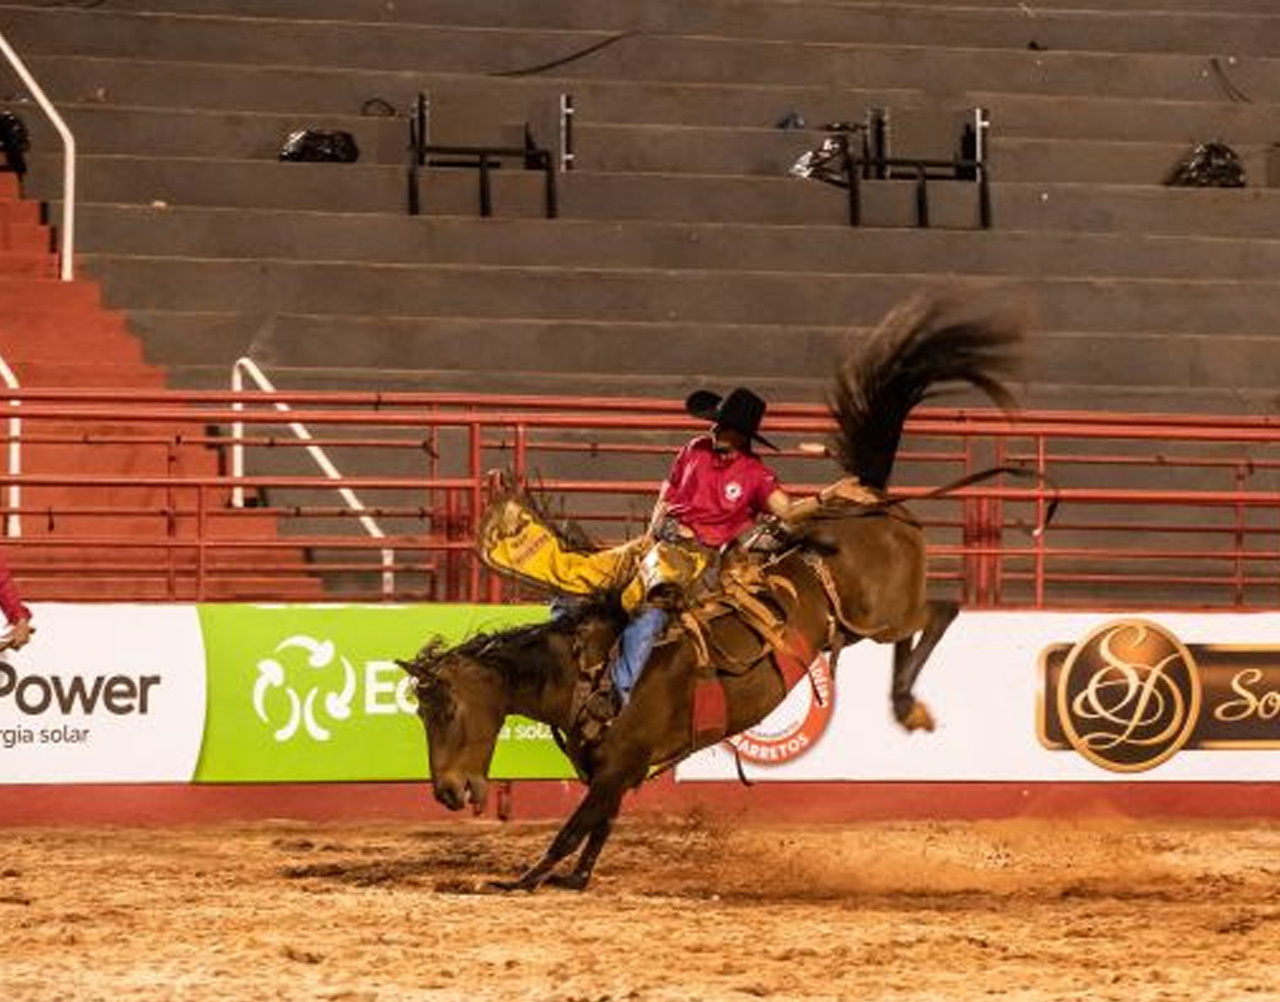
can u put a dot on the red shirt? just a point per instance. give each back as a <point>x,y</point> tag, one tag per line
<point>717,495</point>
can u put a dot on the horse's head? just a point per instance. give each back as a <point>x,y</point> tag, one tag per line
<point>462,704</point>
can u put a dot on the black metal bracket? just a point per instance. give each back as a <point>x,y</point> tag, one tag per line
<point>483,159</point>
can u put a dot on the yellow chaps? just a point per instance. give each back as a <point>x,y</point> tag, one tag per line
<point>515,541</point>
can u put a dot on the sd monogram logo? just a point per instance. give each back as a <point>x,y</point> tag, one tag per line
<point>1131,695</point>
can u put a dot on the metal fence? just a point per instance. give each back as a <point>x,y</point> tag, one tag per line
<point>129,495</point>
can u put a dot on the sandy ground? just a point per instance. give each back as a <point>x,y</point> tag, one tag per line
<point>681,909</point>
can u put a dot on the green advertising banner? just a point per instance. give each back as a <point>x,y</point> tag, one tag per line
<point>313,693</point>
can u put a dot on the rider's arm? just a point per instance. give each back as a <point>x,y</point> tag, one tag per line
<point>791,512</point>
<point>778,503</point>
<point>659,509</point>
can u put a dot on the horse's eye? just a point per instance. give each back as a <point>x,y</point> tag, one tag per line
<point>435,700</point>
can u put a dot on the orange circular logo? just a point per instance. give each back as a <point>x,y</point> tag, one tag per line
<point>795,725</point>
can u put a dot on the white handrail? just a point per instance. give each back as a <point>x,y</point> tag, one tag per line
<point>13,524</point>
<point>247,365</point>
<point>67,236</point>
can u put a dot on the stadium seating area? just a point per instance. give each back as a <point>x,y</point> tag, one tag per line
<point>683,252</point>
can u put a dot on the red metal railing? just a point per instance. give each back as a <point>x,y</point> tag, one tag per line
<point>126,495</point>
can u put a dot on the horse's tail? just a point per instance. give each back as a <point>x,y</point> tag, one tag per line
<point>923,345</point>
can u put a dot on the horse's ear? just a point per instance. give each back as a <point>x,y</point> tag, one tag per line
<point>421,664</point>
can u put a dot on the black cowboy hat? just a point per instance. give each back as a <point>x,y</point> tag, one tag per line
<point>741,410</point>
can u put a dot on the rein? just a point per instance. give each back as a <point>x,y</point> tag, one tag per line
<point>981,476</point>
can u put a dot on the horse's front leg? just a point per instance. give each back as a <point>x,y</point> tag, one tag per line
<point>593,817</point>
<point>908,659</point>
<point>578,878</point>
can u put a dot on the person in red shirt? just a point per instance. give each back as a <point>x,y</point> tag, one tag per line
<point>18,615</point>
<point>716,490</point>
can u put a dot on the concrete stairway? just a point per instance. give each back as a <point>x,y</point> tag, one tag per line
<point>57,335</point>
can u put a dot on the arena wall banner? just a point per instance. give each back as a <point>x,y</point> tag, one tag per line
<point>104,693</point>
<point>1039,697</point>
<point>236,693</point>
<point>304,693</point>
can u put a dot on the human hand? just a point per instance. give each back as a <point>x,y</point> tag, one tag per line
<point>19,635</point>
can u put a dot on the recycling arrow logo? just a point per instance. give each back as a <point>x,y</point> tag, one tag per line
<point>288,688</point>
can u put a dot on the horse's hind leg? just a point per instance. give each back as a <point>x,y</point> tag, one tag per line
<point>909,658</point>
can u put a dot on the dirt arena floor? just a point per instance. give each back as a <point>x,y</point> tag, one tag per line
<point>681,909</point>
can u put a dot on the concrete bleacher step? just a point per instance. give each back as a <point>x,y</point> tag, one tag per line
<point>115,130</point>
<point>261,183</point>
<point>1172,305</point>
<point>371,349</point>
<point>592,11</point>
<point>1051,205</point>
<point>633,147</point>
<point>772,152</point>
<point>132,230</point>
<point>1094,394</point>
<point>956,24</point>
<point>300,93</point>
<point>643,56</point>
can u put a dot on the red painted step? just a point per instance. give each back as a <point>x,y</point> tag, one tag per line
<point>27,264</point>
<point>20,347</point>
<point>49,294</point>
<point>67,335</point>
<point>27,237</point>
<point>21,213</point>
<point>88,375</point>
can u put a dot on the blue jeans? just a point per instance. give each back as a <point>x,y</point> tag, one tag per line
<point>637,641</point>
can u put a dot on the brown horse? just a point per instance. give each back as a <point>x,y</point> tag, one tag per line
<point>854,572</point>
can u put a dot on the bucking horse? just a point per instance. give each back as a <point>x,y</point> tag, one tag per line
<point>853,569</point>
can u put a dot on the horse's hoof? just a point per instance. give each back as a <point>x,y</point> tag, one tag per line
<point>569,881</point>
<point>918,718</point>
<point>506,886</point>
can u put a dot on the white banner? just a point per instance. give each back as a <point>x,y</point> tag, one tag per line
<point>1163,697</point>
<point>104,693</point>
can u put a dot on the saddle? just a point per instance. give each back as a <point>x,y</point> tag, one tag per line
<point>734,626</point>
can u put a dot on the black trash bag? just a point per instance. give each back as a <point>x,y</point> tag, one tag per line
<point>829,162</point>
<point>14,142</point>
<point>314,146</point>
<point>1208,165</point>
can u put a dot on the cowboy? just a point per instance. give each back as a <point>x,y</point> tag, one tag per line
<point>716,490</point>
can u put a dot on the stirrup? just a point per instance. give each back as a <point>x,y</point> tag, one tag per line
<point>598,713</point>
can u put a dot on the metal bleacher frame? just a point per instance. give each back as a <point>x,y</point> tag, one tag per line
<point>483,158</point>
<point>864,156</point>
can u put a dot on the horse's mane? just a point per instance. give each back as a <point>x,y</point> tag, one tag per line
<point>926,345</point>
<point>514,652</point>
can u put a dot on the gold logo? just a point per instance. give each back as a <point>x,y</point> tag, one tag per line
<point>1130,695</point>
